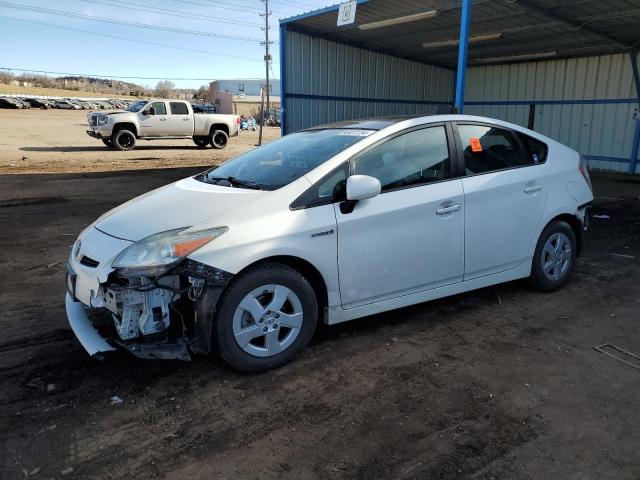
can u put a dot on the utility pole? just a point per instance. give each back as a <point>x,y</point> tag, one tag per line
<point>267,61</point>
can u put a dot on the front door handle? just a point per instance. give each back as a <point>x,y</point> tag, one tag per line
<point>448,209</point>
<point>185,119</point>
<point>532,188</point>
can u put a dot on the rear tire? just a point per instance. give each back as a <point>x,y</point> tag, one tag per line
<point>218,139</point>
<point>265,317</point>
<point>124,140</point>
<point>201,142</point>
<point>108,142</point>
<point>554,258</point>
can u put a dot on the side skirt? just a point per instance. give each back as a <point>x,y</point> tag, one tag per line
<point>338,315</point>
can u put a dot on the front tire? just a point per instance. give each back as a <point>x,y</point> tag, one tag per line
<point>554,258</point>
<point>219,139</point>
<point>267,316</point>
<point>124,140</point>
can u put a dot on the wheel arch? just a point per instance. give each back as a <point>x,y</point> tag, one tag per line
<point>125,125</point>
<point>219,126</point>
<point>307,270</point>
<point>575,225</point>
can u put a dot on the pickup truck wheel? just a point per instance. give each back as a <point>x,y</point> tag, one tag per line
<point>219,139</point>
<point>108,142</point>
<point>201,142</point>
<point>124,140</point>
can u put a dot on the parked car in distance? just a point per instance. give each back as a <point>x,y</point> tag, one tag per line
<point>243,259</point>
<point>203,108</point>
<point>161,119</point>
<point>67,105</point>
<point>38,103</point>
<point>9,102</point>
<point>23,102</point>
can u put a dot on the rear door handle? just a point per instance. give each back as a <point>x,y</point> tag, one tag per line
<point>448,209</point>
<point>532,189</point>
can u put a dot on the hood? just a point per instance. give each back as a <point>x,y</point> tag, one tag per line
<point>98,113</point>
<point>185,203</point>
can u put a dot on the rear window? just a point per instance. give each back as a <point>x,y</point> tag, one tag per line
<point>179,108</point>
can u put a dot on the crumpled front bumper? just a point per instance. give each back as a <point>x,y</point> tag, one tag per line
<point>84,330</point>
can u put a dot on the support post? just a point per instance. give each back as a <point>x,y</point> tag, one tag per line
<point>532,116</point>
<point>461,77</point>
<point>283,78</point>
<point>633,54</point>
<point>267,62</point>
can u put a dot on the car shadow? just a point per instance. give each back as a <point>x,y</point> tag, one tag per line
<point>97,148</point>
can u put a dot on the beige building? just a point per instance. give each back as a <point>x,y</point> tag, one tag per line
<point>233,102</point>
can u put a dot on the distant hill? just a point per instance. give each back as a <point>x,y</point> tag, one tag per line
<point>103,82</point>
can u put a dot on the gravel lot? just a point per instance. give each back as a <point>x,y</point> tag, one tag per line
<point>47,141</point>
<point>499,383</point>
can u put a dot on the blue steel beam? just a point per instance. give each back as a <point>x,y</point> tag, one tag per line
<point>283,79</point>
<point>461,77</point>
<point>633,54</point>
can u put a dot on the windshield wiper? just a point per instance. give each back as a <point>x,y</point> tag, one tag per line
<point>233,181</point>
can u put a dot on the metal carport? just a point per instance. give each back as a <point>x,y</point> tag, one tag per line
<point>566,68</point>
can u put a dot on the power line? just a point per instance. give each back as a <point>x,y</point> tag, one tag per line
<point>296,3</point>
<point>103,76</point>
<point>169,12</point>
<point>117,37</point>
<point>227,6</point>
<point>125,23</point>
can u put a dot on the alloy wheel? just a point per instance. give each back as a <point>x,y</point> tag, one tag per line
<point>267,320</point>
<point>556,256</point>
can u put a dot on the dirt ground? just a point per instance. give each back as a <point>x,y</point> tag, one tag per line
<point>499,383</point>
<point>47,141</point>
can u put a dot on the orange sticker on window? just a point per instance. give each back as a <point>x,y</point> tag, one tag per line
<point>476,146</point>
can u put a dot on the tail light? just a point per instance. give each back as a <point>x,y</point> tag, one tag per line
<point>238,121</point>
<point>584,170</point>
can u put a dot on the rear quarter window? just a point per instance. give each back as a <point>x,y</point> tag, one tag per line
<point>535,150</point>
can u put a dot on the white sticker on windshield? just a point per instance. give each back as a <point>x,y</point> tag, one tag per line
<point>356,133</point>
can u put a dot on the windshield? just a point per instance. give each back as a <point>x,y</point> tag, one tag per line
<point>279,163</point>
<point>136,106</point>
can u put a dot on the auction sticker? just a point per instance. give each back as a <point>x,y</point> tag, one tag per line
<point>356,133</point>
<point>476,146</point>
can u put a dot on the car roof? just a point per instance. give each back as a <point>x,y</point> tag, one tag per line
<point>374,123</point>
<point>379,123</point>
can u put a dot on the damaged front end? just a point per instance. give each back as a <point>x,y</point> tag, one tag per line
<point>168,316</point>
<point>147,298</point>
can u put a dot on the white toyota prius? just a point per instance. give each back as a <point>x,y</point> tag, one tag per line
<point>326,225</point>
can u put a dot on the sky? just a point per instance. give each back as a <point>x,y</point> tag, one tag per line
<point>227,45</point>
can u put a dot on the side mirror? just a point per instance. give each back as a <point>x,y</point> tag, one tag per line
<point>149,111</point>
<point>361,187</point>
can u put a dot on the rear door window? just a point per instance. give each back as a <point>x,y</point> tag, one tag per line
<point>179,108</point>
<point>488,149</point>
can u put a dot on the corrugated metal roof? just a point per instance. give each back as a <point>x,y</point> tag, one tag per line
<point>558,28</point>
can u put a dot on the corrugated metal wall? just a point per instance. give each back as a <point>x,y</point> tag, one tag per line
<point>596,129</point>
<point>327,81</point>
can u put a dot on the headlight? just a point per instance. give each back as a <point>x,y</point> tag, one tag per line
<point>157,253</point>
<point>102,120</point>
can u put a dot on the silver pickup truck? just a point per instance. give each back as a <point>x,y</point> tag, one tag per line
<point>161,119</point>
